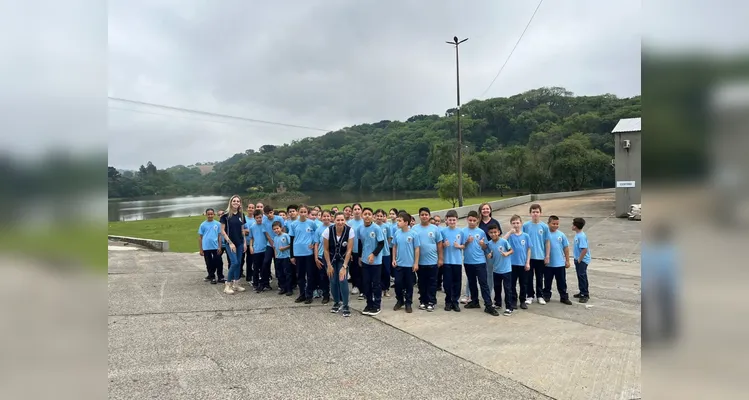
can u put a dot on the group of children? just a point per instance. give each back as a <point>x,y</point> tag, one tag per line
<point>319,252</point>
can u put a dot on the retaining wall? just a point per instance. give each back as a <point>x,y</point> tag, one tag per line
<point>158,245</point>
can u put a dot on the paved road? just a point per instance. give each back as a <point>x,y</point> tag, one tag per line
<point>173,336</point>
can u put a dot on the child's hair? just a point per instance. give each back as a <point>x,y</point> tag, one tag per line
<point>326,212</point>
<point>473,214</point>
<point>267,209</point>
<point>406,217</point>
<point>277,224</point>
<point>425,209</point>
<point>515,218</point>
<point>356,204</point>
<point>579,223</point>
<point>431,219</point>
<point>257,213</point>
<point>345,207</point>
<point>228,207</point>
<point>394,209</point>
<point>553,218</point>
<point>535,206</point>
<point>304,206</point>
<point>451,214</point>
<point>209,209</point>
<point>292,207</point>
<point>380,211</point>
<point>367,208</point>
<point>318,208</point>
<point>492,227</point>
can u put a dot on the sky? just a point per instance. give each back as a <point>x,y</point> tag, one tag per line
<point>333,63</point>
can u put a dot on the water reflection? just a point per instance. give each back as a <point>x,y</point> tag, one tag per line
<point>134,210</point>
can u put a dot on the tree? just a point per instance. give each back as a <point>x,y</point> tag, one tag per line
<point>447,187</point>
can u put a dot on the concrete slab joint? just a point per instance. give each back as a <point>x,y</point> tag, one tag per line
<point>158,245</point>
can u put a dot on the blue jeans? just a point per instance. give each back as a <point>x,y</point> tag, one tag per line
<point>338,286</point>
<point>235,263</point>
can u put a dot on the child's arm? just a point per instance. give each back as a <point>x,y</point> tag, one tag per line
<point>416,258</point>
<point>440,253</point>
<point>395,255</point>
<point>252,245</point>
<point>326,252</point>
<point>528,259</point>
<point>583,252</point>
<point>508,253</point>
<point>200,244</point>
<point>566,256</point>
<point>548,251</point>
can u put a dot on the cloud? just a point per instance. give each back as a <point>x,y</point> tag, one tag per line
<point>332,63</point>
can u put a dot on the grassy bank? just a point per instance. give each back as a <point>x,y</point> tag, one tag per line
<point>182,233</point>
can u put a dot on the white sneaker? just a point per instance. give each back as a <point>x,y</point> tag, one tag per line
<point>541,300</point>
<point>237,287</point>
<point>228,289</point>
<point>529,301</point>
<point>355,290</point>
<point>464,299</point>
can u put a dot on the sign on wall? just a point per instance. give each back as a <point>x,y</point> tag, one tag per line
<point>625,184</point>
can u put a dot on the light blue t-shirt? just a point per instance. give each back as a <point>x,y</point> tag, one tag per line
<point>279,241</point>
<point>386,233</point>
<point>558,243</point>
<point>520,244</point>
<point>405,245</point>
<point>581,242</point>
<point>451,255</point>
<point>500,263</point>
<point>304,235</point>
<point>318,233</point>
<point>355,224</point>
<point>393,230</point>
<point>268,224</point>
<point>429,236</point>
<point>257,234</point>
<point>539,234</point>
<point>473,253</point>
<point>370,236</point>
<point>210,231</point>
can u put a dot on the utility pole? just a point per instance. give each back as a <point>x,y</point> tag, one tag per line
<point>456,43</point>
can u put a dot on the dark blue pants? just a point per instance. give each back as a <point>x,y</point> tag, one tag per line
<point>452,281</point>
<point>265,271</point>
<point>582,278</point>
<point>537,269</point>
<point>427,284</point>
<point>324,279</point>
<point>371,286</point>
<point>355,271</point>
<point>283,273</point>
<point>404,285</point>
<point>385,276</point>
<point>270,255</point>
<point>518,276</point>
<point>312,275</point>
<point>477,272</point>
<point>392,269</point>
<point>214,264</point>
<point>257,269</point>
<point>560,275</point>
<point>503,282</point>
<point>302,265</point>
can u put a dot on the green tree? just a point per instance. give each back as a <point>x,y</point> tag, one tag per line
<point>447,187</point>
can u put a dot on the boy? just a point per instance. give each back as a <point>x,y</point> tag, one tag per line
<point>452,256</point>
<point>268,222</point>
<point>372,242</point>
<point>500,251</point>
<point>430,259</point>
<point>582,259</point>
<point>520,259</point>
<point>559,261</point>
<point>302,232</point>
<point>282,244</point>
<point>257,244</point>
<point>539,234</point>
<point>208,245</point>
<point>324,287</point>
<point>405,262</point>
<point>283,216</point>
<point>381,221</point>
<point>474,259</point>
<point>437,220</point>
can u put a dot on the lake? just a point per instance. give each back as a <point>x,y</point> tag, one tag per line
<point>162,207</point>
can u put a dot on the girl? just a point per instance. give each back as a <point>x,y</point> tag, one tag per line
<point>356,273</point>
<point>337,252</point>
<point>208,244</point>
<point>302,233</point>
<point>232,223</point>
<point>325,217</point>
<point>247,259</point>
<point>405,261</point>
<point>347,213</point>
<point>386,260</point>
<point>393,214</point>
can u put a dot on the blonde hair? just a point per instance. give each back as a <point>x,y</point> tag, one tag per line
<point>228,207</point>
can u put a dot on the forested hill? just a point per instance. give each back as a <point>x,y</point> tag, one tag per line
<point>541,140</point>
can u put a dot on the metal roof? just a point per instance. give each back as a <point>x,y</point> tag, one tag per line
<point>628,125</point>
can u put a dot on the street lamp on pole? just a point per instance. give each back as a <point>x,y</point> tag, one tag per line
<point>457,43</point>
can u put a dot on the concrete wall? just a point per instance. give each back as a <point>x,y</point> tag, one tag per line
<point>628,168</point>
<point>158,245</point>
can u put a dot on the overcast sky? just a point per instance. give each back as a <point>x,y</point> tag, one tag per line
<point>333,63</point>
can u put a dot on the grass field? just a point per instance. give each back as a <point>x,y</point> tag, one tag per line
<point>182,233</point>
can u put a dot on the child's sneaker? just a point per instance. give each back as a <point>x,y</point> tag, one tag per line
<point>346,312</point>
<point>491,310</point>
<point>464,299</point>
<point>374,311</point>
<point>584,299</point>
<point>336,307</point>
<point>524,305</point>
<point>576,295</point>
<point>422,306</point>
<point>507,312</point>
<point>430,307</point>
<point>366,310</point>
<point>529,301</point>
<point>566,301</point>
<point>541,301</point>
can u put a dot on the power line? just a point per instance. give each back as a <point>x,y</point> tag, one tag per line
<point>513,48</point>
<point>210,114</point>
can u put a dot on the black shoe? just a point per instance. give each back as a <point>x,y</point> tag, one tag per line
<point>584,299</point>
<point>289,294</point>
<point>547,299</point>
<point>346,312</point>
<point>241,275</point>
<point>366,310</point>
<point>491,310</point>
<point>300,299</point>
<point>326,300</point>
<point>374,311</point>
<point>398,305</point>
<point>577,295</point>
<point>409,309</point>
<point>221,280</point>
<point>336,307</point>
<point>308,301</point>
<point>566,301</point>
<point>281,291</point>
<point>448,307</point>
<point>456,307</point>
<point>523,305</point>
<point>259,289</point>
<point>213,281</point>
<point>473,304</point>
<point>207,278</point>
